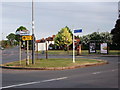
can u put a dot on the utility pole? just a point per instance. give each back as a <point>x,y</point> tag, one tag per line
<point>33,41</point>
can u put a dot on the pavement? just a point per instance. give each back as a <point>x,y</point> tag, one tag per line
<point>104,76</point>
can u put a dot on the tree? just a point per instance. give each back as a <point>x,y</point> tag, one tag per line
<point>4,43</point>
<point>96,37</point>
<point>11,38</point>
<point>64,38</point>
<point>21,28</point>
<point>106,37</point>
<point>116,33</point>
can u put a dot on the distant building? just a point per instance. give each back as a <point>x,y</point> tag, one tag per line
<point>41,44</point>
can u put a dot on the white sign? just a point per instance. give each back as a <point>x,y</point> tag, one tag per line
<point>92,48</point>
<point>103,48</point>
<point>23,33</point>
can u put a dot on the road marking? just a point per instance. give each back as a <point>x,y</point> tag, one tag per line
<point>105,71</point>
<point>55,79</point>
<point>96,72</point>
<point>114,69</point>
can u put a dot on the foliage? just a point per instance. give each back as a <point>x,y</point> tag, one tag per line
<point>4,43</point>
<point>63,38</point>
<point>96,37</point>
<point>11,38</point>
<point>21,28</point>
<point>116,33</point>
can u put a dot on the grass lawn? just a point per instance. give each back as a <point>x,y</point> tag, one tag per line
<point>84,52</point>
<point>55,62</point>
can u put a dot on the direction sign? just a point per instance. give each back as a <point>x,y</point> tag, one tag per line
<point>23,32</point>
<point>27,37</point>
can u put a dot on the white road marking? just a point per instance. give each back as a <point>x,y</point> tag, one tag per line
<point>114,69</point>
<point>96,72</point>
<point>104,71</point>
<point>55,79</point>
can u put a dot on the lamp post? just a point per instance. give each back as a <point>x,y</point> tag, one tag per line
<point>33,41</point>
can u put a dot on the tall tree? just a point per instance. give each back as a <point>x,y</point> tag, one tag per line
<point>116,33</point>
<point>99,37</point>
<point>21,28</point>
<point>11,38</point>
<point>63,38</point>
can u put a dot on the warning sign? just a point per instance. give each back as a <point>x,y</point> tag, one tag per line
<point>27,37</point>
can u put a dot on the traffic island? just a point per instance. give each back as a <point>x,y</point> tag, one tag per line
<point>54,64</point>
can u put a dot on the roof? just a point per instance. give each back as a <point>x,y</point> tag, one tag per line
<point>48,39</point>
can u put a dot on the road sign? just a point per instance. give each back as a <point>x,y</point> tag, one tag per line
<point>23,32</point>
<point>27,37</point>
<point>78,31</point>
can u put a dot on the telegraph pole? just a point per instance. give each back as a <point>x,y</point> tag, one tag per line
<point>33,41</point>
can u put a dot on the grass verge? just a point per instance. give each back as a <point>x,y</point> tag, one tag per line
<point>84,52</point>
<point>55,62</point>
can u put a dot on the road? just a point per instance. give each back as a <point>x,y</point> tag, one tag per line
<point>11,54</point>
<point>104,76</point>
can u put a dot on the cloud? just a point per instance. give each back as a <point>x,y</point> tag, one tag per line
<point>51,17</point>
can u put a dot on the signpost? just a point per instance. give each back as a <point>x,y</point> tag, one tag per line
<point>75,32</point>
<point>22,33</point>
<point>27,37</point>
<point>20,55</point>
<point>104,48</point>
<point>92,47</point>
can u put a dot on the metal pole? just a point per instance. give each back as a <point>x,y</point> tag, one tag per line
<point>37,50</point>
<point>73,49</point>
<point>20,50</point>
<point>46,51</point>
<point>33,41</point>
<point>27,59</point>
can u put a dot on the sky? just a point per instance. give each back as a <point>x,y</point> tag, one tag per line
<point>50,17</point>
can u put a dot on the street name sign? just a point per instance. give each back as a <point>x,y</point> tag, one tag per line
<point>27,37</point>
<point>78,31</point>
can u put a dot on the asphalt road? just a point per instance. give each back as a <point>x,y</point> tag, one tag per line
<point>104,76</point>
<point>11,54</point>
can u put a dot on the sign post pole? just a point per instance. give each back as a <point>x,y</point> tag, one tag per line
<point>75,31</point>
<point>46,51</point>
<point>73,49</point>
<point>27,60</point>
<point>20,51</point>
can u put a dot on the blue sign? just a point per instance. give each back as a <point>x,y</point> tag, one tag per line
<point>78,31</point>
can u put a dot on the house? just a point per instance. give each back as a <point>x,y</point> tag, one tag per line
<point>48,43</point>
<point>42,44</point>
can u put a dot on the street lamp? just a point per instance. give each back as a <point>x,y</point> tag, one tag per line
<point>33,41</point>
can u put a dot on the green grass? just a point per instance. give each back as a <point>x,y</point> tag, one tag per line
<point>84,52</point>
<point>55,62</point>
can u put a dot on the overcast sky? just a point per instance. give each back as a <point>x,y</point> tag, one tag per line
<point>50,17</point>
